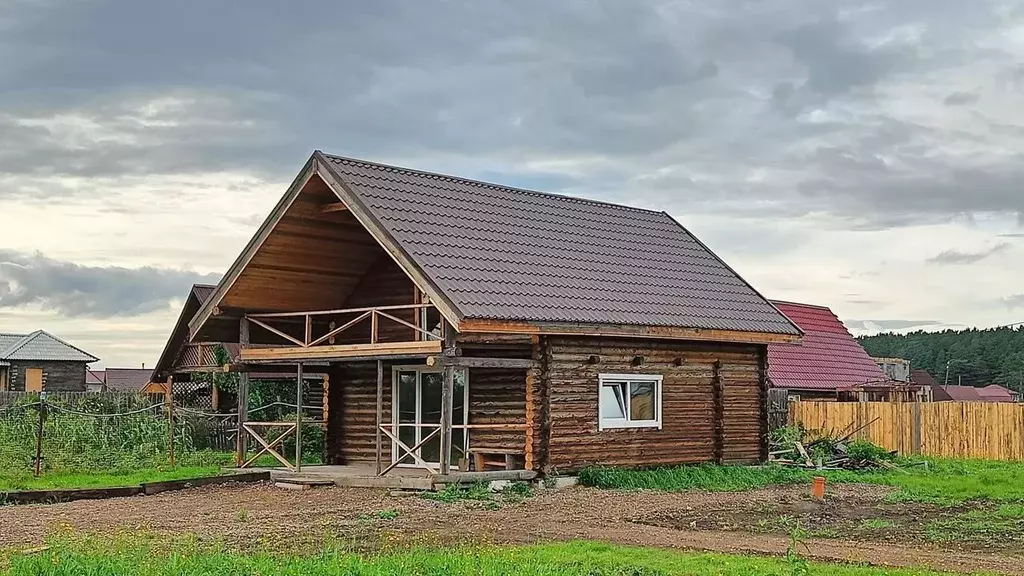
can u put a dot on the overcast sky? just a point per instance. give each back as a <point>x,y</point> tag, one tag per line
<point>866,156</point>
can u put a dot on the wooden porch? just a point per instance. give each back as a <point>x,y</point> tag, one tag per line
<point>414,337</point>
<point>364,476</point>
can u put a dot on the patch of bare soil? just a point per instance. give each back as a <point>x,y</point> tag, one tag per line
<point>251,516</point>
<point>850,512</point>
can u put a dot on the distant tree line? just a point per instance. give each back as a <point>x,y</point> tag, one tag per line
<point>973,357</point>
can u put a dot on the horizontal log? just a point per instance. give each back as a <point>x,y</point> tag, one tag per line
<point>622,330</point>
<point>341,352</point>
<point>489,476</point>
<point>470,362</point>
<point>151,488</point>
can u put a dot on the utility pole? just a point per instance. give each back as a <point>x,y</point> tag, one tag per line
<point>946,382</point>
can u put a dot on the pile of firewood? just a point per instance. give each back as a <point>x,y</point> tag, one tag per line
<point>828,451</point>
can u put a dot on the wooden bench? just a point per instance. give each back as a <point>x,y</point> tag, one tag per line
<point>501,458</point>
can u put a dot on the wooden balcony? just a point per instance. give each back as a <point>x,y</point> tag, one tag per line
<point>197,357</point>
<point>346,334</point>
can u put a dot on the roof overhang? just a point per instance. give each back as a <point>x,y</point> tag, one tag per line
<point>318,166</point>
<point>470,325</point>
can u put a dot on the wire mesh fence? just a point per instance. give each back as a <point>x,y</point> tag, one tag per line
<point>116,432</point>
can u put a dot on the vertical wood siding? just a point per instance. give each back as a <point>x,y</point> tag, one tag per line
<point>987,430</point>
<point>687,434</point>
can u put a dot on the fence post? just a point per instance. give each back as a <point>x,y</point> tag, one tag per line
<point>298,418</point>
<point>169,405</point>
<point>916,431</point>
<point>39,434</point>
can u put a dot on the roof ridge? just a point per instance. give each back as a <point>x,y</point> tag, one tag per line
<point>38,333</point>
<point>21,343</point>
<point>490,184</point>
<point>802,305</point>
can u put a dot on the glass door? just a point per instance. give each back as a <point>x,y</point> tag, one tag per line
<point>417,410</point>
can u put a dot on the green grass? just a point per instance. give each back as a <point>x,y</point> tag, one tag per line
<point>452,493</point>
<point>194,465</point>
<point>565,559</point>
<point>1004,525</point>
<point>948,482</point>
<point>103,480</point>
<point>943,482</point>
<point>703,477</point>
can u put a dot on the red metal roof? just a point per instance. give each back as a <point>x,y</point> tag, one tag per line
<point>829,358</point>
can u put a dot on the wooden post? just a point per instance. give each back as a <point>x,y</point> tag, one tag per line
<point>242,438</point>
<point>39,434</point>
<point>718,414</point>
<point>169,406</point>
<point>447,392</point>
<point>446,419</point>
<point>298,418</point>
<point>380,411</point>
<point>916,431</point>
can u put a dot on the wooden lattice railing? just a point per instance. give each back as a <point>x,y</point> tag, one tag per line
<point>325,327</point>
<point>197,355</point>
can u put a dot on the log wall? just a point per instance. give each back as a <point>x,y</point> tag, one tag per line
<point>558,403</point>
<point>352,413</point>
<point>565,404</point>
<point>497,395</point>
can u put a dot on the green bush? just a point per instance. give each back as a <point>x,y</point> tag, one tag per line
<point>865,450</point>
<point>312,441</point>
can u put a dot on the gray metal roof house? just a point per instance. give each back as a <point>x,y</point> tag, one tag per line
<point>41,361</point>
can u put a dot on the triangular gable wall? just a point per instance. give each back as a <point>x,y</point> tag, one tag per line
<point>309,255</point>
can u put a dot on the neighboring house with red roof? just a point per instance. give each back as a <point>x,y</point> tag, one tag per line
<point>95,380</point>
<point>997,393</point>
<point>991,393</point>
<point>127,379</point>
<point>829,364</point>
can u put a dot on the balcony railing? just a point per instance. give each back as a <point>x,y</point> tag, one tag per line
<point>376,330</point>
<point>197,355</point>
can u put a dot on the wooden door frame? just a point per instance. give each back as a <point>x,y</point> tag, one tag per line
<point>421,369</point>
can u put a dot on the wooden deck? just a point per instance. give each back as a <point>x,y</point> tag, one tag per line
<point>364,476</point>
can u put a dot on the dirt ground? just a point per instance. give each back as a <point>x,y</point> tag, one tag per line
<point>852,513</point>
<point>860,526</point>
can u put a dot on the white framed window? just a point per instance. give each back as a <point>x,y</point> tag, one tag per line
<point>629,401</point>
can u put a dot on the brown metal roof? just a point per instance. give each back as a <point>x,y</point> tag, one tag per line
<point>203,292</point>
<point>510,254</point>
<point>127,379</point>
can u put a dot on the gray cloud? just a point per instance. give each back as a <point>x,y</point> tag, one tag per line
<point>961,98</point>
<point>958,257</point>
<point>889,324</point>
<point>661,102</point>
<point>1014,302</point>
<point>89,291</point>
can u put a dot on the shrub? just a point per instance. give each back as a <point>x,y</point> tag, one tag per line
<point>865,450</point>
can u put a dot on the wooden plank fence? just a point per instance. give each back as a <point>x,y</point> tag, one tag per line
<point>985,430</point>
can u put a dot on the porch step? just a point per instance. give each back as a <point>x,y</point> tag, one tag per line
<point>301,482</point>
